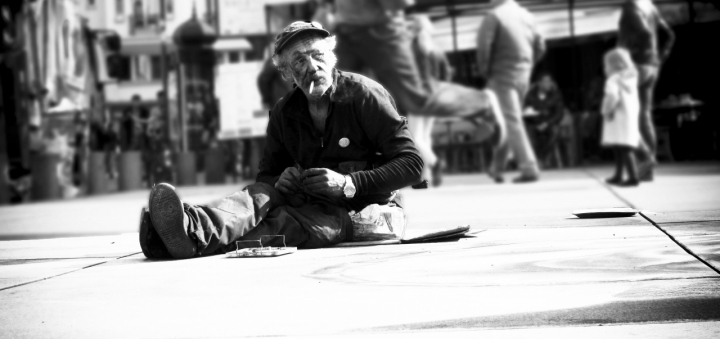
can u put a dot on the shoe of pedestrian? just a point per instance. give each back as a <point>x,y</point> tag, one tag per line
<point>496,177</point>
<point>523,179</point>
<point>629,183</point>
<point>150,243</point>
<point>645,172</point>
<point>613,181</point>
<point>166,215</point>
<point>436,172</point>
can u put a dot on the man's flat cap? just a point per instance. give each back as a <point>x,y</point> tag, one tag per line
<point>295,28</point>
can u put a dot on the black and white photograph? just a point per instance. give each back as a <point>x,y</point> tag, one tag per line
<point>359,169</point>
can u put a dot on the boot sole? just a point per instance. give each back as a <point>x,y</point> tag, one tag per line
<point>166,213</point>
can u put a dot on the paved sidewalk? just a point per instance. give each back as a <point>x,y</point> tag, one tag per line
<point>73,269</point>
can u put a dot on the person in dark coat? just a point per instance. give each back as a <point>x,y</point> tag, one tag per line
<point>544,111</point>
<point>649,39</point>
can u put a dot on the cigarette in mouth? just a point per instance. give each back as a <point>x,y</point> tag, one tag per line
<point>312,86</point>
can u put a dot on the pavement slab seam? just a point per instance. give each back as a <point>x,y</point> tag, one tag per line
<point>64,273</point>
<point>630,204</point>
<point>685,248</point>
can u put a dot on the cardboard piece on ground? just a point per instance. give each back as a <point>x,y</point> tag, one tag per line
<point>605,212</point>
<point>367,243</point>
<point>447,233</point>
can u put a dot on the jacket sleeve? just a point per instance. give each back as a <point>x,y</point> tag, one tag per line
<point>385,128</point>
<point>611,98</point>
<point>276,158</point>
<point>485,42</point>
<point>669,39</point>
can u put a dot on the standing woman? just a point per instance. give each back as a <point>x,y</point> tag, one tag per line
<point>433,67</point>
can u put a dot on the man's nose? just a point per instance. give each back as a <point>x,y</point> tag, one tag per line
<point>314,64</point>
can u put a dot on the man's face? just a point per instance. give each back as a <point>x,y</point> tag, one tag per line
<point>310,65</point>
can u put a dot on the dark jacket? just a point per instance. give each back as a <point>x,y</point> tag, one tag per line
<point>638,32</point>
<point>381,156</point>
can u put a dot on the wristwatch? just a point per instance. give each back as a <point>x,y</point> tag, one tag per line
<point>349,188</point>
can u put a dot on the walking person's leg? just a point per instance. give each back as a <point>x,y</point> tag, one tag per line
<point>501,152</point>
<point>619,162</point>
<point>648,75</point>
<point>418,126</point>
<point>631,167</point>
<point>510,103</point>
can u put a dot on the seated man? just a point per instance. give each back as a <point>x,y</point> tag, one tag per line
<point>544,110</point>
<point>335,144</point>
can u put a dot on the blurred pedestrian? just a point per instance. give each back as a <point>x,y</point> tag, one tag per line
<point>111,146</point>
<point>508,46</point>
<point>544,110</point>
<point>620,109</point>
<point>372,34</point>
<point>80,146</point>
<point>433,66</point>
<point>639,29</point>
<point>134,125</point>
<point>271,85</point>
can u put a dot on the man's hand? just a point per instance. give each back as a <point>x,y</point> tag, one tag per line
<point>289,181</point>
<point>323,181</point>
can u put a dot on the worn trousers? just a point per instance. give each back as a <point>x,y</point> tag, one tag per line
<point>511,97</point>
<point>259,210</point>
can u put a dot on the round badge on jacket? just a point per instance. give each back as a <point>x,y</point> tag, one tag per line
<point>344,142</point>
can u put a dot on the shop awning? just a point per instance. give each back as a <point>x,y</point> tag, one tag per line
<point>234,44</point>
<point>145,45</point>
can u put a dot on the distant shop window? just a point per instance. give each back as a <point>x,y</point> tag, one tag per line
<point>119,67</point>
<point>234,57</point>
<point>146,16</point>
<point>169,9</point>
<point>156,67</point>
<point>119,10</point>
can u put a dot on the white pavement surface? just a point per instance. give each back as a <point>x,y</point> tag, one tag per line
<point>536,270</point>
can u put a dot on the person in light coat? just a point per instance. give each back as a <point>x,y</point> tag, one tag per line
<point>621,111</point>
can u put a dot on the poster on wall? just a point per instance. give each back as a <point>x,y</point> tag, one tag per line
<point>241,112</point>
